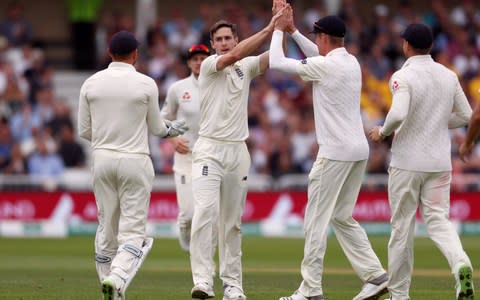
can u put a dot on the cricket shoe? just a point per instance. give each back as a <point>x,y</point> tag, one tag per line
<point>464,282</point>
<point>202,291</point>
<point>297,296</point>
<point>372,290</point>
<point>109,290</point>
<point>233,293</point>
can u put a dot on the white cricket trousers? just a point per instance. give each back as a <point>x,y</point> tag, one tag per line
<point>220,171</point>
<point>332,193</point>
<point>408,190</point>
<point>183,187</point>
<point>122,184</point>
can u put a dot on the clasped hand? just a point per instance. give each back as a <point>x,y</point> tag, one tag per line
<point>175,128</point>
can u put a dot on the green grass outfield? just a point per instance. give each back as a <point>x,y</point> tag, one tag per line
<point>64,269</point>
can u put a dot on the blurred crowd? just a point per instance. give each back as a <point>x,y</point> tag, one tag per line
<point>37,132</point>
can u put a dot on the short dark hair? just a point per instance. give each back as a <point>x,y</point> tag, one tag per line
<point>121,57</point>
<point>421,51</point>
<point>220,24</point>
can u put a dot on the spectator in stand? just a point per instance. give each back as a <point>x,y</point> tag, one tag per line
<point>13,93</point>
<point>23,122</point>
<point>17,165</point>
<point>62,117</point>
<point>6,144</point>
<point>15,28</point>
<point>70,151</point>
<point>45,163</point>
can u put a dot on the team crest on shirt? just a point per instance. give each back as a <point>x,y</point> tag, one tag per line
<point>186,96</point>
<point>395,85</point>
<point>304,61</point>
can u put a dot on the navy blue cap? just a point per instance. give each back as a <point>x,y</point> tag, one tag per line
<point>123,42</point>
<point>418,35</point>
<point>331,25</point>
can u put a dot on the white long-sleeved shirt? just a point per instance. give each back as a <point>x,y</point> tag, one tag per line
<point>427,101</point>
<point>224,98</point>
<point>337,82</point>
<point>117,107</point>
<point>183,103</point>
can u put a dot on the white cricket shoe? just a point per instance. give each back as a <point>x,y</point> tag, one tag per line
<point>202,291</point>
<point>233,293</point>
<point>464,282</point>
<point>109,290</point>
<point>297,296</point>
<point>184,238</point>
<point>374,289</point>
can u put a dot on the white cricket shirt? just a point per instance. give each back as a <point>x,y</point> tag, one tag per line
<point>436,99</point>
<point>224,98</point>
<point>337,82</point>
<point>117,107</point>
<point>183,103</point>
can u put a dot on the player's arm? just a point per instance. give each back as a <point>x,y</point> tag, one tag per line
<point>461,111</point>
<point>170,105</point>
<point>308,47</point>
<point>397,114</point>
<point>155,121</point>
<point>473,133</point>
<point>169,112</point>
<point>247,46</point>
<point>278,61</point>
<point>84,116</point>
<point>277,57</point>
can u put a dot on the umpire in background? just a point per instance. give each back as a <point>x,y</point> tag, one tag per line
<point>117,107</point>
<point>428,100</point>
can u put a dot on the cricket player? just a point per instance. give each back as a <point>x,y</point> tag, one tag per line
<point>473,133</point>
<point>336,176</point>
<point>220,157</point>
<point>117,107</point>
<point>427,100</point>
<point>183,102</point>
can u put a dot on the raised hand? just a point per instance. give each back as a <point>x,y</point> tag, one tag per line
<point>291,24</point>
<point>277,16</point>
<point>277,6</point>
<point>284,21</point>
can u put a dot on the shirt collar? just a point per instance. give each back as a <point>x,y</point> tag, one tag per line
<point>418,59</point>
<point>121,65</point>
<point>194,80</point>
